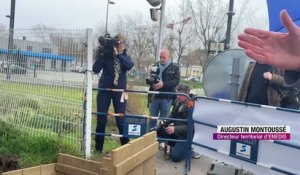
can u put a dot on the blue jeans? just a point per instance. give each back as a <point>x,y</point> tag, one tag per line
<point>159,106</point>
<point>178,151</point>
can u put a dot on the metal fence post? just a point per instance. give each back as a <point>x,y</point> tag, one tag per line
<point>161,29</point>
<point>190,125</point>
<point>88,109</point>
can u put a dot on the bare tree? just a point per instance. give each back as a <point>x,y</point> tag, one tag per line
<point>140,39</point>
<point>71,46</point>
<point>181,35</point>
<point>42,32</point>
<point>3,32</point>
<point>210,19</point>
<point>193,58</point>
<point>246,16</point>
<point>2,26</point>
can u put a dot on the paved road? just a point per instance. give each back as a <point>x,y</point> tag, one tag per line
<point>167,167</point>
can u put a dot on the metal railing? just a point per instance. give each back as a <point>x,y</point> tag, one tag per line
<point>188,121</point>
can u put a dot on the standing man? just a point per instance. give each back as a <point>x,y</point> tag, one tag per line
<point>168,74</point>
<point>258,89</point>
<point>115,63</point>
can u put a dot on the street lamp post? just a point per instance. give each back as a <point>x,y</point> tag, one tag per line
<point>229,22</point>
<point>11,35</point>
<point>161,29</point>
<point>108,2</point>
<point>154,15</point>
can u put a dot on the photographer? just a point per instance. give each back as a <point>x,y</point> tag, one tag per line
<point>164,79</point>
<point>178,129</point>
<point>115,63</point>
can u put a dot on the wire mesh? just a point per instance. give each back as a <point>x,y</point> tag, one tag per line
<point>42,81</point>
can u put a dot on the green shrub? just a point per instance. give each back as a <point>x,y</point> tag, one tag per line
<point>31,150</point>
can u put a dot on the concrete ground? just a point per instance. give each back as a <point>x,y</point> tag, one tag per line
<point>167,167</point>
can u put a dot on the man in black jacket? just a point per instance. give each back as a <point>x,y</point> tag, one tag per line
<point>115,66</point>
<point>168,79</point>
<point>179,129</point>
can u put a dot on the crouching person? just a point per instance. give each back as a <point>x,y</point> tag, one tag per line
<point>178,129</point>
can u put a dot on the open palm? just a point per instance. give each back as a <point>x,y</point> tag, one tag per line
<point>277,49</point>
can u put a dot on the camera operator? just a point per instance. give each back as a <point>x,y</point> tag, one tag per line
<point>115,63</point>
<point>178,129</point>
<point>167,79</point>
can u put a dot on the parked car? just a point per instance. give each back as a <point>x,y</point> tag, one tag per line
<point>78,69</point>
<point>14,69</point>
<point>195,79</point>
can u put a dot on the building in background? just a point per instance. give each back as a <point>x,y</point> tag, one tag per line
<point>35,55</point>
<point>193,73</point>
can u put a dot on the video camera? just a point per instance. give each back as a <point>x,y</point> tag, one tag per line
<point>153,77</point>
<point>108,44</point>
<point>161,132</point>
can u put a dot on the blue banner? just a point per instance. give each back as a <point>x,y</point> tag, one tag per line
<point>274,8</point>
<point>259,156</point>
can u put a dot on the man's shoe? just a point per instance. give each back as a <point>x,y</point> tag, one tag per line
<point>162,145</point>
<point>167,152</point>
<point>195,155</point>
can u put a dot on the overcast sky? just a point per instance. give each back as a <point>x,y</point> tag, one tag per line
<point>82,13</point>
<point>71,13</point>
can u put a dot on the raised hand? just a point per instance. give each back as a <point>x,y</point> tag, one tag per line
<point>274,48</point>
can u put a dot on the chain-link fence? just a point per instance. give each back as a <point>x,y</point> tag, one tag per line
<point>42,81</point>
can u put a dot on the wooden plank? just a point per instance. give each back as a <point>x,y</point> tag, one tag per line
<point>48,169</point>
<point>79,163</point>
<point>149,138</point>
<point>105,172</point>
<point>17,172</point>
<point>139,170</point>
<point>106,163</point>
<point>149,166</point>
<point>122,153</point>
<point>69,170</point>
<point>32,171</point>
<point>136,159</point>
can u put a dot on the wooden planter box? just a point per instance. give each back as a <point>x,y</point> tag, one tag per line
<point>135,158</point>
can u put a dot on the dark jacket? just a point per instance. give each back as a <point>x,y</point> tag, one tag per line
<point>170,78</point>
<point>272,91</point>
<point>292,78</point>
<point>107,64</point>
<point>291,92</point>
<point>180,111</point>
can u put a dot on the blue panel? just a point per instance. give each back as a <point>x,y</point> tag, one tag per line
<point>274,8</point>
<point>39,55</point>
<point>134,126</point>
<point>283,30</point>
<point>244,149</point>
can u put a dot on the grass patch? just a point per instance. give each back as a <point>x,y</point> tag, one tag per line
<point>137,103</point>
<point>61,92</point>
<point>30,150</point>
